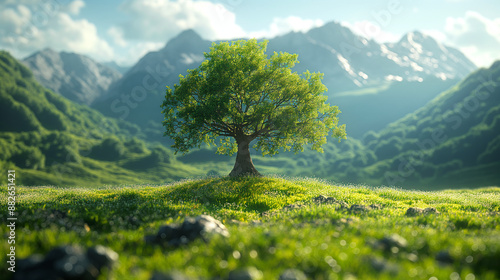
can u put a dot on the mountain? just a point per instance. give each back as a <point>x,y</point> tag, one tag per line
<point>400,77</point>
<point>114,65</point>
<point>76,77</point>
<point>375,84</point>
<point>453,141</point>
<point>350,61</point>
<point>48,139</point>
<point>373,108</point>
<point>425,56</point>
<point>138,95</point>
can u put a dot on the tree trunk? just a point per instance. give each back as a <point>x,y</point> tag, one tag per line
<point>243,165</point>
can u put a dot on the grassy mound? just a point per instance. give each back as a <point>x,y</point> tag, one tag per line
<point>275,224</point>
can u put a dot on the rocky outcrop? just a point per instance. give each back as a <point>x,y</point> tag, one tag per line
<point>76,77</point>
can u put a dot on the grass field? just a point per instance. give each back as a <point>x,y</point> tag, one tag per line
<point>323,240</point>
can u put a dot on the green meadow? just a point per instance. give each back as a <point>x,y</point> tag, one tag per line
<point>274,224</point>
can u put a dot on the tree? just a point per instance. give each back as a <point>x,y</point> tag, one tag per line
<point>238,95</point>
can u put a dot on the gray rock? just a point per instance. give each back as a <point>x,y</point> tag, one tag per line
<point>359,208</point>
<point>389,242</point>
<point>76,77</point>
<point>364,208</point>
<point>293,206</point>
<point>375,206</point>
<point>444,257</point>
<point>168,232</point>
<point>292,274</point>
<point>101,256</point>
<point>203,226</point>
<point>67,262</point>
<point>321,199</point>
<point>381,265</point>
<point>175,275</point>
<point>415,211</point>
<point>250,273</point>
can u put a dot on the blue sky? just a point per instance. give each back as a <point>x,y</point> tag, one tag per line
<point>124,31</point>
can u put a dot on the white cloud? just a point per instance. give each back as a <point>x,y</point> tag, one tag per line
<point>75,7</point>
<point>42,24</point>
<point>476,36</point>
<point>12,19</point>
<point>149,24</point>
<point>117,35</point>
<point>436,34</point>
<point>158,21</point>
<point>280,26</point>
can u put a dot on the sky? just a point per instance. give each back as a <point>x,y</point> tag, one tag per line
<point>124,31</point>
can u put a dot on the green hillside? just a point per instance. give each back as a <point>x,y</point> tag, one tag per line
<point>454,140</point>
<point>374,108</point>
<point>50,140</point>
<point>321,230</point>
<point>451,142</point>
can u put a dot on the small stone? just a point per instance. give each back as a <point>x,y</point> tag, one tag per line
<point>209,225</point>
<point>381,265</point>
<point>444,257</point>
<point>67,262</point>
<point>101,256</point>
<point>375,206</point>
<point>321,199</point>
<point>30,262</point>
<point>431,210</point>
<point>415,211</point>
<point>293,206</point>
<point>250,273</point>
<point>389,242</point>
<point>175,275</point>
<point>292,274</point>
<point>358,208</point>
<point>202,226</point>
<point>168,232</point>
<point>61,252</point>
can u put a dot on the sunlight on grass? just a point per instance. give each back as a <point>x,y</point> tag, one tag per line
<point>323,240</point>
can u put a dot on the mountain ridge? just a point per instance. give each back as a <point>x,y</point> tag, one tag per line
<point>348,61</point>
<point>76,77</point>
<point>451,142</point>
<point>52,140</point>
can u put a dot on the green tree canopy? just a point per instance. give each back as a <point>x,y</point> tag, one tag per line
<point>238,95</point>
